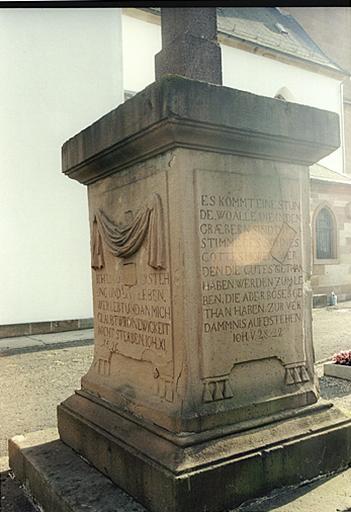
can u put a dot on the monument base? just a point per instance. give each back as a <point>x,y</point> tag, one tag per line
<point>178,473</point>
<point>58,480</point>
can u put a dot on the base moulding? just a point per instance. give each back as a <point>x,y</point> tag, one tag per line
<point>210,476</point>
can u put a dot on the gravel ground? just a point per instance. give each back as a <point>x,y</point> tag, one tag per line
<point>336,390</point>
<point>331,330</point>
<point>33,383</point>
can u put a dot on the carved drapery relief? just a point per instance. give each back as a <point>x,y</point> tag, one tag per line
<point>124,240</point>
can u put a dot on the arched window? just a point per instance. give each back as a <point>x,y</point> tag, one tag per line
<point>325,235</point>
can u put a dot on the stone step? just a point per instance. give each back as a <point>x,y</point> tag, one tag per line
<point>60,480</point>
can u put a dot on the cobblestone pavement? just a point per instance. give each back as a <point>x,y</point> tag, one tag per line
<point>33,383</point>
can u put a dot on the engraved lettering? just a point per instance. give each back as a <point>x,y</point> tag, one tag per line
<point>251,271</point>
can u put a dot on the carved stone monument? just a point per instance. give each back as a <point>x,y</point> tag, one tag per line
<point>202,391</point>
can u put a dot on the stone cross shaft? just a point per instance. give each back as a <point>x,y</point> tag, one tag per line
<point>189,44</point>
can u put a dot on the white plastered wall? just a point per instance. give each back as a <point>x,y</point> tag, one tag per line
<point>61,69</point>
<point>260,75</point>
<point>241,70</point>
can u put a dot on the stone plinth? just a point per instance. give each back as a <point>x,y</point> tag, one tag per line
<point>203,376</point>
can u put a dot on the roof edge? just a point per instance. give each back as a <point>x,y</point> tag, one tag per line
<point>285,57</point>
<point>150,14</point>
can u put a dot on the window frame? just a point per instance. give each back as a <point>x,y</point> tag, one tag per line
<point>335,236</point>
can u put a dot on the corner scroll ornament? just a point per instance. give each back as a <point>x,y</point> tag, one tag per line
<point>125,240</point>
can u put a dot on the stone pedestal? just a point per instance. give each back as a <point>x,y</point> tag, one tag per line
<point>202,390</point>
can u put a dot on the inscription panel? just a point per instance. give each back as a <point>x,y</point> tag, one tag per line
<point>134,320</point>
<point>249,230</point>
<point>131,289</point>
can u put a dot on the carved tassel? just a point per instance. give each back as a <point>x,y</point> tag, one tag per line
<point>304,374</point>
<point>297,376</point>
<point>169,392</point>
<point>162,388</point>
<point>218,393</point>
<point>289,379</point>
<point>228,392</point>
<point>97,250</point>
<point>207,395</point>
